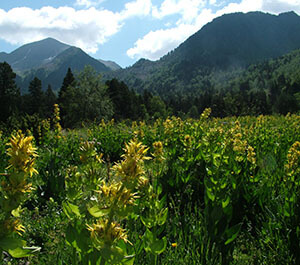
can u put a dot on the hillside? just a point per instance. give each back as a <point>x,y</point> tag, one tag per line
<point>230,42</point>
<point>110,64</point>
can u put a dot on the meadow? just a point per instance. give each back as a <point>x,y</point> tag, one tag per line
<point>194,191</point>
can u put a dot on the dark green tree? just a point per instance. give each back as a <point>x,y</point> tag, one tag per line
<point>62,100</point>
<point>50,100</point>
<point>87,99</point>
<point>36,97</point>
<point>9,93</point>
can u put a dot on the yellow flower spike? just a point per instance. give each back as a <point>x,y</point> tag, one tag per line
<point>56,119</point>
<point>251,155</point>
<point>103,232</point>
<point>22,154</point>
<point>158,151</point>
<point>108,194</point>
<point>132,166</point>
<point>293,159</point>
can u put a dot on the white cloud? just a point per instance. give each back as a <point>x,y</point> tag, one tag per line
<point>188,9</point>
<point>157,43</point>
<point>83,28</point>
<point>88,3</point>
<point>279,6</point>
<point>136,8</point>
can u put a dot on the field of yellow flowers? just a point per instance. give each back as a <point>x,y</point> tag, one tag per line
<point>206,191</point>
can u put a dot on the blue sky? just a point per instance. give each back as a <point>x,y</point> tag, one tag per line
<point>119,30</point>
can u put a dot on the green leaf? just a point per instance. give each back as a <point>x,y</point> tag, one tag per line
<point>71,209</point>
<point>23,252</point>
<point>16,247</point>
<point>159,246</point>
<point>148,222</point>
<point>98,212</point>
<point>210,195</point>
<point>163,216</point>
<point>226,202</point>
<point>16,212</point>
<point>232,233</point>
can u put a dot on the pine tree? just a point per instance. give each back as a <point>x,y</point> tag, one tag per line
<point>9,93</point>
<point>36,97</point>
<point>68,81</point>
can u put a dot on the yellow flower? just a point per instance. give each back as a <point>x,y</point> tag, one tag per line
<point>103,232</point>
<point>13,225</point>
<point>15,186</point>
<point>115,194</point>
<point>174,245</point>
<point>293,157</point>
<point>131,169</point>
<point>206,113</point>
<point>251,155</point>
<point>22,153</point>
<point>56,119</point>
<point>158,151</point>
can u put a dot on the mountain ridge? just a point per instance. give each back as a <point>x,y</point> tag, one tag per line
<point>228,42</point>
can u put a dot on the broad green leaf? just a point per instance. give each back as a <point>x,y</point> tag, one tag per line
<point>98,212</point>
<point>159,246</point>
<point>210,195</point>
<point>232,233</point>
<point>70,209</point>
<point>16,247</point>
<point>225,202</point>
<point>23,252</point>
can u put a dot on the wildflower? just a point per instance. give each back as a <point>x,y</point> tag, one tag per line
<point>22,153</point>
<point>293,157</point>
<point>131,169</point>
<point>13,225</point>
<point>206,113</point>
<point>106,233</point>
<point>115,194</point>
<point>158,151</point>
<point>16,186</point>
<point>56,119</point>
<point>174,245</point>
<point>251,155</point>
<point>187,140</point>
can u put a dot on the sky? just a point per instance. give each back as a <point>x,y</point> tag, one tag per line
<point>119,30</point>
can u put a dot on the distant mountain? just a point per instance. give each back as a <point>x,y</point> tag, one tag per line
<point>229,42</point>
<point>111,65</point>
<point>48,60</point>
<point>34,55</point>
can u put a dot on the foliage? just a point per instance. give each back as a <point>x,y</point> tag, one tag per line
<point>87,100</point>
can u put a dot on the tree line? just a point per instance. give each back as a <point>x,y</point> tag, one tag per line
<point>83,97</point>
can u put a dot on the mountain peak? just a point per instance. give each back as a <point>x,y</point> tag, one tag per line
<point>35,54</point>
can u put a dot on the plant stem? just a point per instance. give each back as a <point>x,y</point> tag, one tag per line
<point>102,261</point>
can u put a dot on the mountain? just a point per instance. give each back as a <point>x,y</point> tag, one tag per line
<point>229,42</point>
<point>34,55</point>
<point>48,60</point>
<point>110,64</point>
